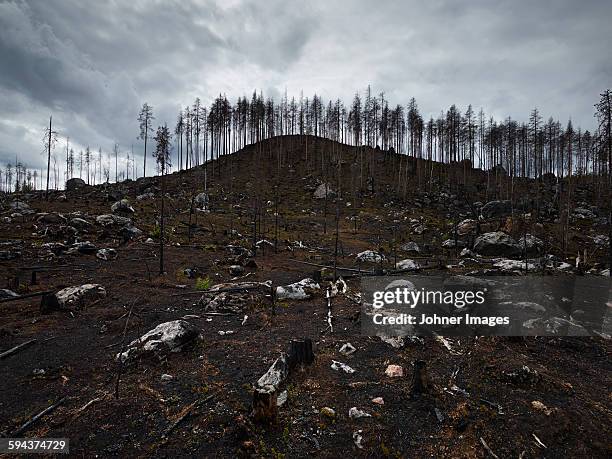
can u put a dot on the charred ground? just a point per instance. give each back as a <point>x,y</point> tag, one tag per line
<point>481,388</point>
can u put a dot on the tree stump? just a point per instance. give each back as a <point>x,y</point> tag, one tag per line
<point>300,353</point>
<point>49,303</point>
<point>265,408</point>
<point>420,381</point>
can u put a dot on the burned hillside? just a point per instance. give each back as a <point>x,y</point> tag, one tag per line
<point>248,343</point>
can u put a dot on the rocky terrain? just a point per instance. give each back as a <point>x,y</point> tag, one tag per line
<point>230,351</point>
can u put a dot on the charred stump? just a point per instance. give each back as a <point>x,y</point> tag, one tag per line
<point>420,381</point>
<point>300,353</point>
<point>49,303</point>
<point>265,408</point>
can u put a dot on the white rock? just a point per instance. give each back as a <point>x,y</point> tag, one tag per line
<point>394,371</point>
<point>323,190</point>
<point>356,413</point>
<point>297,291</point>
<point>275,375</point>
<point>166,337</point>
<point>347,349</point>
<point>80,296</point>
<point>341,366</point>
<point>106,254</point>
<point>110,219</point>
<point>508,266</point>
<point>378,401</point>
<point>370,256</point>
<point>408,265</point>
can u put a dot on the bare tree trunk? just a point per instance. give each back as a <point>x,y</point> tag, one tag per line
<point>48,158</point>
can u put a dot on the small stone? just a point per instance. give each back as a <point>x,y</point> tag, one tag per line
<point>328,412</point>
<point>166,377</point>
<point>394,371</point>
<point>378,401</point>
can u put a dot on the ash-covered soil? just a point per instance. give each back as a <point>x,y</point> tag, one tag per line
<point>531,397</point>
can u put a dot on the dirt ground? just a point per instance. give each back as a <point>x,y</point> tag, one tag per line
<point>483,389</point>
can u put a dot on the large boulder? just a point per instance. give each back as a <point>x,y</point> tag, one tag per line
<point>122,207</point>
<point>297,291</point>
<point>407,265</point>
<point>467,226</point>
<point>201,201</point>
<point>324,190</point>
<point>370,256</point>
<point>167,337</point>
<point>531,245</point>
<point>495,209</point>
<point>51,218</point>
<point>109,219</point>
<point>496,243</point>
<point>75,184</point>
<point>20,206</point>
<point>79,297</point>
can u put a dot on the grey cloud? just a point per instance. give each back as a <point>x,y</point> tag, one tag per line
<point>93,64</point>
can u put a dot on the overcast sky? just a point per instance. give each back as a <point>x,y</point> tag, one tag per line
<point>91,64</point>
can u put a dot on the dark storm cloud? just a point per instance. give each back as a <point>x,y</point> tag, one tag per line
<point>93,64</point>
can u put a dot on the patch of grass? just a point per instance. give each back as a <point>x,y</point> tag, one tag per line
<point>156,233</point>
<point>203,283</point>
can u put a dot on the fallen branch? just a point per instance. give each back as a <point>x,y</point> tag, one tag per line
<point>16,348</point>
<point>186,413</point>
<point>489,450</point>
<point>34,419</point>
<point>28,295</point>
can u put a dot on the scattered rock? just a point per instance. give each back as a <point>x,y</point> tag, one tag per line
<point>20,206</point>
<point>51,219</point>
<point>323,190</point>
<point>80,224</point>
<point>171,336</point>
<point>370,256</point>
<point>467,226</point>
<point>356,413</point>
<point>554,326</point>
<point>378,401</point>
<point>531,245</point>
<point>408,265</point>
<point>75,184</point>
<point>514,266</point>
<point>539,406</point>
<point>84,247</point>
<point>496,243</point>
<point>106,254</point>
<point>341,366</point>
<point>236,270</point>
<point>166,377</point>
<point>275,375</point>
<point>201,200</point>
<point>495,209</point>
<point>450,243</point>
<point>79,297</point>
<point>394,371</point>
<point>328,412</point>
<point>297,291</point>
<point>109,219</point>
<point>582,213</point>
<point>347,349</point>
<point>122,207</point>
<point>410,247</point>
